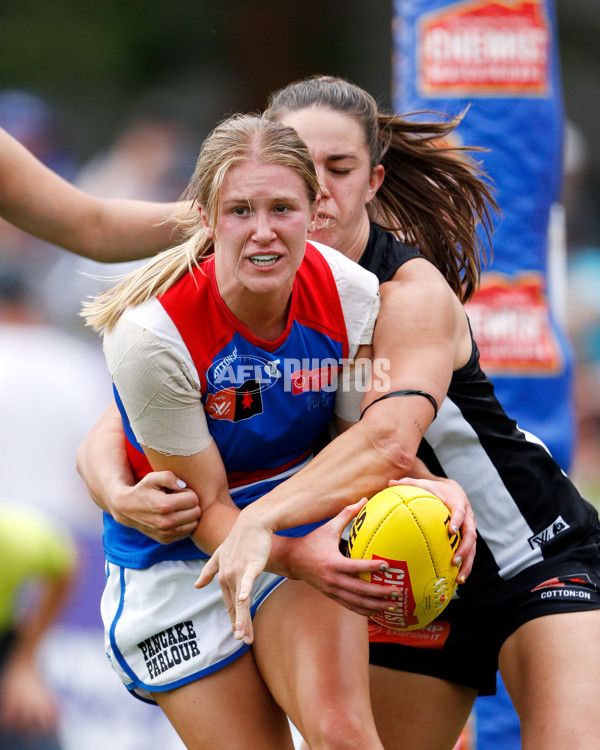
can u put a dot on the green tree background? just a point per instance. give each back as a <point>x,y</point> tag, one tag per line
<point>99,63</point>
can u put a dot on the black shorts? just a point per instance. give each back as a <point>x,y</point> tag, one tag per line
<point>462,645</point>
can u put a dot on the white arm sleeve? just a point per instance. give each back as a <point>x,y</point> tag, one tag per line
<point>159,388</point>
<point>351,390</point>
<point>359,296</point>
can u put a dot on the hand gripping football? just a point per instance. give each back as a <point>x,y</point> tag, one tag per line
<point>408,528</point>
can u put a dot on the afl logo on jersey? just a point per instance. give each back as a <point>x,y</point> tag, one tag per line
<point>236,370</point>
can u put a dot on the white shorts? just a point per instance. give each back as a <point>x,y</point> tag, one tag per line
<point>161,632</point>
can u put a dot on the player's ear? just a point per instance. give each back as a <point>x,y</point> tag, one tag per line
<point>207,225</point>
<point>375,180</point>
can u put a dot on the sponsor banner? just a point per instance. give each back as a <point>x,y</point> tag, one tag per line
<point>498,63</point>
<point>484,49</point>
<point>520,126</point>
<point>511,323</point>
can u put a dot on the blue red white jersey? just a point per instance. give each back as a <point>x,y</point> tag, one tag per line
<point>265,402</point>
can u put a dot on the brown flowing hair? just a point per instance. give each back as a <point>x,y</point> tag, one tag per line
<point>433,196</point>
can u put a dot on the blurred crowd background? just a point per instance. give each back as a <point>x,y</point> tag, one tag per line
<point>117,98</point>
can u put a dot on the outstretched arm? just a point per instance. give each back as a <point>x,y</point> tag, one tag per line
<point>414,347</point>
<point>38,201</point>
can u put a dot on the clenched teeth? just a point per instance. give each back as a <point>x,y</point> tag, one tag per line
<point>263,260</point>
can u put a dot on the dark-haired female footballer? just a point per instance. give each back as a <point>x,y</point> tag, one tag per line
<point>531,603</point>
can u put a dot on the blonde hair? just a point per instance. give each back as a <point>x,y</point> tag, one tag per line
<point>433,195</point>
<point>232,142</point>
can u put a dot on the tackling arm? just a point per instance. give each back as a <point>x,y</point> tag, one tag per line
<point>419,340</point>
<point>414,347</point>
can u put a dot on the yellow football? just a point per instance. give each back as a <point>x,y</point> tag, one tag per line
<point>408,528</point>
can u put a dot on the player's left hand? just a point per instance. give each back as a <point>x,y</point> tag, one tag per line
<point>461,517</point>
<point>238,561</point>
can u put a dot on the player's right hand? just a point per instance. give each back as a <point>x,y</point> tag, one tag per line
<point>159,505</point>
<point>316,559</point>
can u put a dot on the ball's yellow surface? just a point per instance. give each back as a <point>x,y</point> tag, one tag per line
<point>408,528</point>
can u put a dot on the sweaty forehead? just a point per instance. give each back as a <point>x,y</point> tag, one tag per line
<point>254,179</point>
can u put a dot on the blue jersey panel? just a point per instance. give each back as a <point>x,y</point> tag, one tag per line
<point>265,409</point>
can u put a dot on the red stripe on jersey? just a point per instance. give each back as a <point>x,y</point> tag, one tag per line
<point>320,306</point>
<point>205,322</point>
<point>196,312</point>
<point>242,478</point>
<point>139,463</point>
